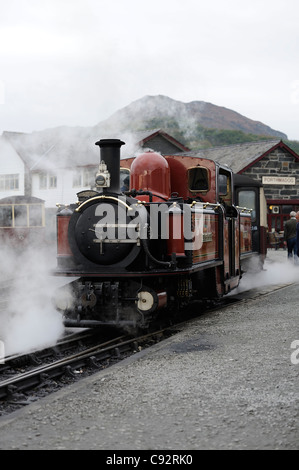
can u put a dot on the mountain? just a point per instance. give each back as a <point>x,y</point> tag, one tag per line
<point>189,118</point>
<point>196,125</point>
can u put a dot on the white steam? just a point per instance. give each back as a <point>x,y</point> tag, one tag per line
<point>28,319</point>
<point>278,269</point>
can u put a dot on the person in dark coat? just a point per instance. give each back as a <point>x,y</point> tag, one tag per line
<point>297,232</point>
<point>290,235</point>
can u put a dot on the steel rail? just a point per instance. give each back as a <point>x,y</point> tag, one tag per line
<point>30,379</point>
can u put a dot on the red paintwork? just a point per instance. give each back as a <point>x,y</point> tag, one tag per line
<point>150,172</point>
<point>63,247</point>
<point>245,234</point>
<point>176,242</point>
<point>237,247</point>
<point>226,249</point>
<point>178,173</point>
<point>179,166</point>
<point>208,248</point>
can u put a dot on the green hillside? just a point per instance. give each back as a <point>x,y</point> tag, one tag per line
<point>293,144</point>
<point>198,137</point>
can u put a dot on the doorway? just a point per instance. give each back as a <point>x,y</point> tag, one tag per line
<point>279,213</point>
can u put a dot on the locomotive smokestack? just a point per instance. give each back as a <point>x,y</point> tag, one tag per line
<point>110,154</point>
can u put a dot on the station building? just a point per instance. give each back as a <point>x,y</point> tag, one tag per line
<point>271,162</point>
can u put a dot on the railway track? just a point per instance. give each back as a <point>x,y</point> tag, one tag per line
<point>16,384</point>
<point>26,378</point>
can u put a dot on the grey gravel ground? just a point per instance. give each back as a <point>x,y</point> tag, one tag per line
<point>226,381</point>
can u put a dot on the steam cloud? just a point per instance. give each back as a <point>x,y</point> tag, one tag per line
<point>277,270</point>
<point>28,319</point>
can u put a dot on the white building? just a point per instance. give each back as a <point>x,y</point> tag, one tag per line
<point>12,170</point>
<point>50,169</point>
<point>56,164</point>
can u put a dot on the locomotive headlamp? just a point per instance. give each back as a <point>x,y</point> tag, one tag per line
<point>100,180</point>
<point>103,176</point>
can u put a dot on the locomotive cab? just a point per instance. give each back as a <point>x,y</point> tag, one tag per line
<point>225,191</point>
<point>250,193</point>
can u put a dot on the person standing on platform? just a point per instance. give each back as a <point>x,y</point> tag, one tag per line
<point>297,233</point>
<point>290,235</point>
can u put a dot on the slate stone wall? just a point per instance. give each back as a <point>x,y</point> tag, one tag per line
<point>277,163</point>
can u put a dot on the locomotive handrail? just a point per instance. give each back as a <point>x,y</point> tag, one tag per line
<point>244,209</point>
<point>216,206</point>
<point>204,204</point>
<point>102,197</point>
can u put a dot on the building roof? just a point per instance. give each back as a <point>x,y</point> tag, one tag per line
<point>239,157</point>
<point>66,147</point>
<point>54,148</point>
<point>145,137</point>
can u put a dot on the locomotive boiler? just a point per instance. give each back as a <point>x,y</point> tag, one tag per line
<point>171,236</point>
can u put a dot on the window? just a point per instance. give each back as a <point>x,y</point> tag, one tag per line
<point>285,166</point>
<point>52,181</point>
<point>20,215</point>
<point>43,181</point>
<point>222,185</point>
<point>124,179</point>
<point>247,199</point>
<point>286,209</point>
<point>35,215</point>
<point>77,179</point>
<point>89,177</point>
<point>6,216</point>
<point>9,182</point>
<point>198,179</point>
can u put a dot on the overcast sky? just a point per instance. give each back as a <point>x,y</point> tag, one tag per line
<point>76,62</point>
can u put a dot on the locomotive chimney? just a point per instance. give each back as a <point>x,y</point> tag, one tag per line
<point>110,155</point>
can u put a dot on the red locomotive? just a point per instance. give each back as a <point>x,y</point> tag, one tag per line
<point>172,235</point>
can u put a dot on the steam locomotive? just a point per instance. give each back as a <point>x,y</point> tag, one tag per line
<point>174,234</point>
